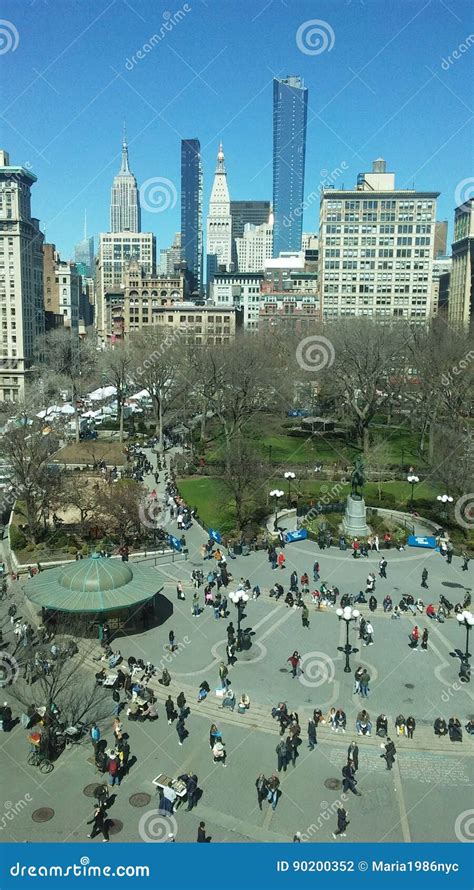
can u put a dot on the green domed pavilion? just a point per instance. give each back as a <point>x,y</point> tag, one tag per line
<point>102,586</point>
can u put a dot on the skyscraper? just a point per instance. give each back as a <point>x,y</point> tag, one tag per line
<point>124,200</point>
<point>219,222</point>
<point>191,209</point>
<point>290,111</point>
<point>243,212</point>
<point>84,252</point>
<point>21,278</point>
<point>461,288</point>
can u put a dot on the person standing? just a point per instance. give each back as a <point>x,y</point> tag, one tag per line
<point>223,674</point>
<point>312,740</point>
<point>282,755</point>
<point>273,793</point>
<point>389,752</point>
<point>316,571</point>
<point>305,616</point>
<point>281,560</point>
<point>369,634</point>
<point>181,704</point>
<point>424,578</point>
<point>465,561</point>
<point>192,791</point>
<point>295,662</point>
<point>170,709</point>
<point>262,789</point>
<point>414,638</point>
<point>99,824</point>
<point>196,608</point>
<point>424,640</point>
<point>342,823</point>
<point>410,725</point>
<point>180,591</point>
<point>353,754</point>
<point>383,568</point>
<point>230,652</point>
<point>364,683</point>
<point>449,552</point>
<point>95,736</point>
<point>113,769</point>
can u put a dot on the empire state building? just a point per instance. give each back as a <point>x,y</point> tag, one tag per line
<point>125,199</point>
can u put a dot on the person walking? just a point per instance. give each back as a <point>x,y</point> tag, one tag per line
<point>170,709</point>
<point>316,571</point>
<point>424,640</point>
<point>383,568</point>
<point>295,663</point>
<point>123,749</point>
<point>389,752</point>
<point>465,561</point>
<point>95,736</point>
<point>357,678</point>
<point>414,638</point>
<point>99,824</point>
<point>410,725</point>
<point>369,634</point>
<point>305,616</point>
<point>342,823</point>
<point>230,652</point>
<point>181,730</point>
<point>273,792</point>
<point>424,578</point>
<point>192,791</point>
<point>449,552</point>
<point>312,740</point>
<point>180,591</point>
<point>282,755</point>
<point>353,754</point>
<point>281,560</point>
<point>349,781</point>
<point>196,607</point>
<point>262,789</point>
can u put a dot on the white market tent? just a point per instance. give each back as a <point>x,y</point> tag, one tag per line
<point>104,392</point>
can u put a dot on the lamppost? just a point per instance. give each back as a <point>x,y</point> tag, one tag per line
<point>239,598</point>
<point>276,493</point>
<point>289,475</point>
<point>466,619</point>
<point>347,614</point>
<point>413,480</point>
<point>444,500</point>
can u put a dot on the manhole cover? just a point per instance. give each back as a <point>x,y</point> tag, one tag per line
<point>115,826</point>
<point>409,685</point>
<point>90,790</point>
<point>333,784</point>
<point>44,814</point>
<point>140,799</point>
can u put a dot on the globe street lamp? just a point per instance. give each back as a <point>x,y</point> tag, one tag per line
<point>276,493</point>
<point>444,500</point>
<point>466,619</point>
<point>347,614</point>
<point>413,480</point>
<point>239,598</point>
<point>289,475</point>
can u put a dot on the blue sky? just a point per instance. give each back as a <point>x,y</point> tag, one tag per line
<point>382,89</point>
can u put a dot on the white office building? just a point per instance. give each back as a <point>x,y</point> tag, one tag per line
<point>376,247</point>
<point>254,247</point>
<point>116,250</point>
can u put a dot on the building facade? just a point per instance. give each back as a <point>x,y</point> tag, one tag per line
<point>84,256</point>
<point>243,212</point>
<point>125,198</point>
<point>439,280</point>
<point>219,223</point>
<point>242,291</point>
<point>191,210</point>
<point>376,246</point>
<point>170,257</point>
<point>62,289</point>
<point>290,112</point>
<point>292,311</point>
<point>21,309</point>
<point>255,247</point>
<point>441,239</point>
<point>116,251</point>
<point>461,292</point>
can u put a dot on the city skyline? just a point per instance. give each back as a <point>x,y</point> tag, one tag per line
<point>353,116</point>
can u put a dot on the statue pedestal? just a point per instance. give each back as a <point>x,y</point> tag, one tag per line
<point>354,522</point>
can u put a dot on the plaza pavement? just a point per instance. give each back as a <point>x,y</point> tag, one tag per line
<point>424,798</point>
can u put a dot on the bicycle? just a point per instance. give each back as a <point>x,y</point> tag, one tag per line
<point>36,758</point>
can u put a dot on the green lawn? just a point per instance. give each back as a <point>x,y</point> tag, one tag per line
<point>208,494</point>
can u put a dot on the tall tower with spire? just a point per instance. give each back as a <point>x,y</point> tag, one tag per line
<point>219,222</point>
<point>124,200</point>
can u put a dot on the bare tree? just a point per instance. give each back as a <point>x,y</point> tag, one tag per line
<point>378,462</point>
<point>242,474</point>
<point>116,364</point>
<point>157,363</point>
<point>82,494</point>
<point>27,451</point>
<point>119,506</point>
<point>67,361</point>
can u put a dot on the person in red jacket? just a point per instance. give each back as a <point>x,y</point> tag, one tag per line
<point>113,769</point>
<point>281,560</point>
<point>295,661</point>
<point>414,637</point>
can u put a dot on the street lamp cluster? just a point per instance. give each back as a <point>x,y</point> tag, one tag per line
<point>277,493</point>
<point>444,499</point>
<point>347,614</point>
<point>413,480</point>
<point>239,598</point>
<point>466,619</point>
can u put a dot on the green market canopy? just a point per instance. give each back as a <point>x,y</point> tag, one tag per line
<point>96,584</point>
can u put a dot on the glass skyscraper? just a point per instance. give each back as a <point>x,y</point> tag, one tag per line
<point>290,111</point>
<point>191,209</point>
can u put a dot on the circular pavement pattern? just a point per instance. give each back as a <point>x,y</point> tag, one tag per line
<point>43,814</point>
<point>90,790</point>
<point>140,799</point>
<point>333,784</point>
<point>115,826</point>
